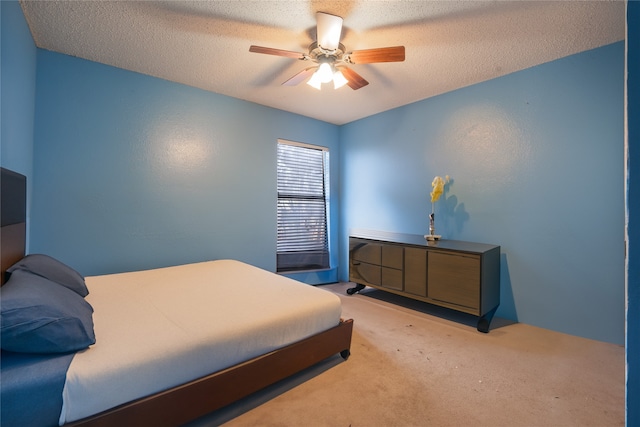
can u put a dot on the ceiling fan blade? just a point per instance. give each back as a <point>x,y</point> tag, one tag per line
<point>354,80</point>
<point>277,52</point>
<point>328,31</point>
<point>382,54</point>
<point>301,76</point>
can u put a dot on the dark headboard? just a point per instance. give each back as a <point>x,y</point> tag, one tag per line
<point>13,215</point>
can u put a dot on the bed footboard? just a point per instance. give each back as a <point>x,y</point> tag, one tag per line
<point>197,398</point>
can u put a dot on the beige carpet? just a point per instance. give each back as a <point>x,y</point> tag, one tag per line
<point>413,364</point>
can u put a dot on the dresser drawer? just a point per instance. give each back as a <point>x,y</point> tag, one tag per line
<point>365,251</point>
<point>391,278</point>
<point>392,256</point>
<point>454,278</point>
<point>364,272</point>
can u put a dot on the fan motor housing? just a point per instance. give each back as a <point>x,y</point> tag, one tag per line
<point>317,53</point>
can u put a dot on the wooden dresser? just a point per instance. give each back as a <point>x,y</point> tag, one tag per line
<point>462,276</point>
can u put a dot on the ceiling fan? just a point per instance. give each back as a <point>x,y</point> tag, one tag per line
<point>332,57</point>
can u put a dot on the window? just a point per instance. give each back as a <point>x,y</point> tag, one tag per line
<point>303,172</point>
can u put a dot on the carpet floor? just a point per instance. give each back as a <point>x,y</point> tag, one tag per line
<point>413,364</point>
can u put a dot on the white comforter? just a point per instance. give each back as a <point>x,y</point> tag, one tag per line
<point>160,328</point>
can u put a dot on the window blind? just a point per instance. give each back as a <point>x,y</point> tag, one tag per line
<point>302,208</point>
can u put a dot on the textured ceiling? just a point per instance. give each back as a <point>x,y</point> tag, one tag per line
<point>205,44</point>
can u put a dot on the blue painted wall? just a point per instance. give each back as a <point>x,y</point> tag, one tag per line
<point>537,161</point>
<point>18,90</point>
<point>134,172</point>
<point>633,206</point>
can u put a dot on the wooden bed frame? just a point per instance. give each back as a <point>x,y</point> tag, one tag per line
<point>199,397</point>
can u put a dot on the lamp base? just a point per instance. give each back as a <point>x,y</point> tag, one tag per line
<point>432,236</point>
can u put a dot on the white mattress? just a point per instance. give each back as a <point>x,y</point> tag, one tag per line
<point>159,328</point>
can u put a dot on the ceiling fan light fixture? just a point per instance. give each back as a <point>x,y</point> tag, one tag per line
<point>339,80</point>
<point>325,73</point>
<point>314,81</point>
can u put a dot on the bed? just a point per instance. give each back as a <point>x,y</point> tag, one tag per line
<point>156,347</point>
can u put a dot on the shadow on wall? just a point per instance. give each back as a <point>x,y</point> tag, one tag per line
<point>507,308</point>
<point>452,216</point>
<point>456,212</point>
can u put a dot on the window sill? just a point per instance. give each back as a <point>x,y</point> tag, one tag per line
<point>310,270</point>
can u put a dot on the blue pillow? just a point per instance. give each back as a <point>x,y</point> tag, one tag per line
<point>39,316</point>
<point>54,270</point>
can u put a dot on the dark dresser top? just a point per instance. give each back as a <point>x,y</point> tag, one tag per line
<point>419,240</point>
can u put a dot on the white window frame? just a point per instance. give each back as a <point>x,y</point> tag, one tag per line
<point>303,240</point>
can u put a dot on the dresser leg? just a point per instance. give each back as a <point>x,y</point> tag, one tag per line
<point>485,320</point>
<point>355,289</point>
